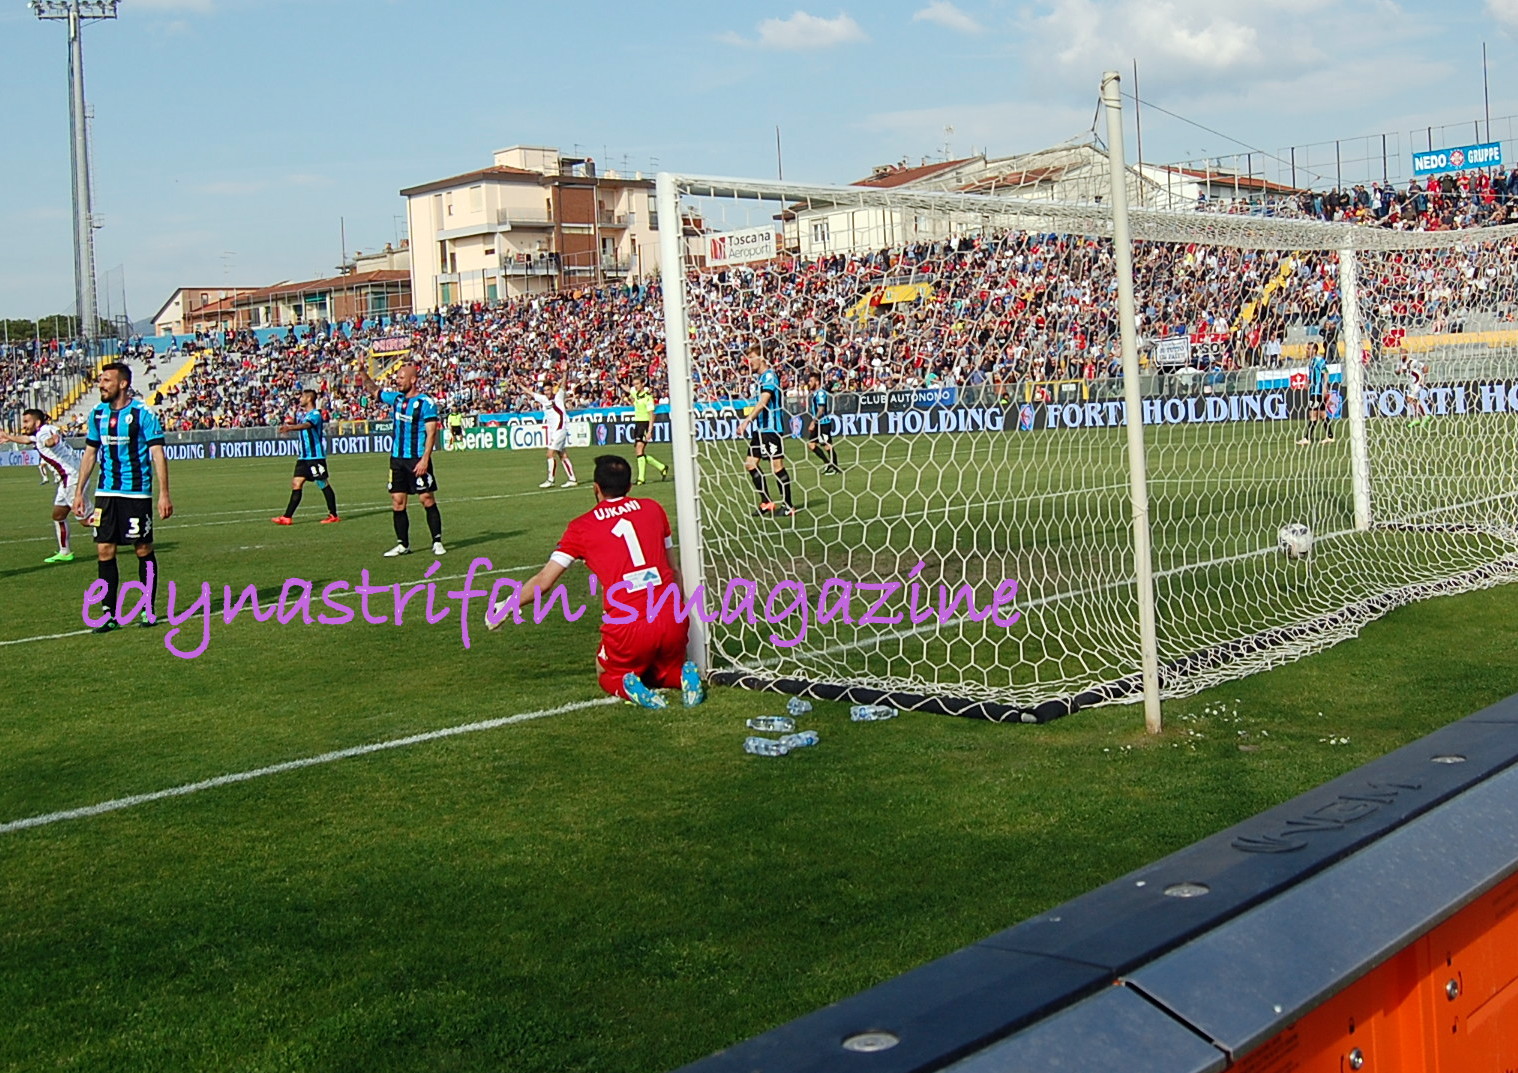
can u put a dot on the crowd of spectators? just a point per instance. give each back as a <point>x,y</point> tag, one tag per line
<point>990,309</point>
<point>1438,203</point>
<point>35,371</point>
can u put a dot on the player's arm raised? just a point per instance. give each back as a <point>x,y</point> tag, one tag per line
<point>364,382</point>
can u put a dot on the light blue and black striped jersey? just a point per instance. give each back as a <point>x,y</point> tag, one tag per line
<point>122,440</point>
<point>1317,376</point>
<point>822,407</point>
<point>411,414</point>
<point>313,440</point>
<point>768,419</point>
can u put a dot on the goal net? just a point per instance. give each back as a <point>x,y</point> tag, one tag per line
<point>982,528</point>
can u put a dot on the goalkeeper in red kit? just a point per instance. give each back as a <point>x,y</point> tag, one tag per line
<point>625,543</point>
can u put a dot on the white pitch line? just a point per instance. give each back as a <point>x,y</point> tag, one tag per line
<point>43,637</point>
<point>291,765</point>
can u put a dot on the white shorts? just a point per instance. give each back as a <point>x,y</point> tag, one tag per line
<point>63,496</point>
<point>558,441</point>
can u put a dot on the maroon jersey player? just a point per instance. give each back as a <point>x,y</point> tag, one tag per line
<point>625,542</point>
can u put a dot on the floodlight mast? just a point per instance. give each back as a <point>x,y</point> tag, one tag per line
<point>76,13</point>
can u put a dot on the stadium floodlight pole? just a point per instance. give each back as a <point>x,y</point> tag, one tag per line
<point>1354,384</point>
<point>682,425</point>
<point>1138,482</point>
<point>76,13</point>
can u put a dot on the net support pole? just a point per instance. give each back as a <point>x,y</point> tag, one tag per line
<point>1138,484</point>
<point>682,425</point>
<point>1354,385</point>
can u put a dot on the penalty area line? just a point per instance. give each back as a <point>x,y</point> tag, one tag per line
<point>292,765</point>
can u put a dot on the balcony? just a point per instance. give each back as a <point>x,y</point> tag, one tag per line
<point>607,218</point>
<point>541,265</point>
<point>523,218</point>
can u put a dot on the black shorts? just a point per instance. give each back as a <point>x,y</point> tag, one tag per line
<point>312,469</point>
<point>124,520</point>
<point>640,431</point>
<point>403,476</point>
<point>1315,402</point>
<point>820,432</point>
<point>765,445</point>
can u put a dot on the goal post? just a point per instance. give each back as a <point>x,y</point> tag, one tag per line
<point>960,485</point>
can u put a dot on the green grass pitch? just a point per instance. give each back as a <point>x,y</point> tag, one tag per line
<point>599,889</point>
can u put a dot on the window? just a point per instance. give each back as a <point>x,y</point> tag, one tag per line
<point>476,199</point>
<point>820,232</point>
<point>490,252</point>
<point>204,297</point>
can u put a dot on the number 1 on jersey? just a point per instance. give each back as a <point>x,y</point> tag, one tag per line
<point>624,529</point>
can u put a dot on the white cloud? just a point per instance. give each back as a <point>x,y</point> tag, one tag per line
<point>803,31</point>
<point>945,14</point>
<point>1195,33</point>
<point>1504,11</point>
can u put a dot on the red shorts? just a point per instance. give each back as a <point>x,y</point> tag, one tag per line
<point>654,651</point>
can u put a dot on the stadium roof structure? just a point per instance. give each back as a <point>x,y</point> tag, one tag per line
<point>315,286</point>
<point>1252,183</point>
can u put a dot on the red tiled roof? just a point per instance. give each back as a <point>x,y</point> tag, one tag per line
<point>899,176</point>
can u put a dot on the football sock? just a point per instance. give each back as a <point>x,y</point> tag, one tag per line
<point>435,522</point>
<point>147,573</point>
<point>784,477</point>
<point>107,571</point>
<point>569,470</point>
<point>642,468</point>
<point>331,499</point>
<point>817,450</point>
<point>402,527</point>
<point>833,457</point>
<point>63,534</point>
<point>611,682</point>
<point>550,467</point>
<point>294,502</point>
<point>660,466</point>
<point>760,485</point>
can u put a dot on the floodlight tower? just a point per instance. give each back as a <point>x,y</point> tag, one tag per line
<point>76,13</point>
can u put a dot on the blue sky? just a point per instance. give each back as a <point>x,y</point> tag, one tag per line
<point>232,135</point>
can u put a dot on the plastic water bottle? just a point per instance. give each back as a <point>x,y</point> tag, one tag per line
<point>871,713</point>
<point>801,740</point>
<point>797,706</point>
<point>765,746</point>
<point>779,724</point>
